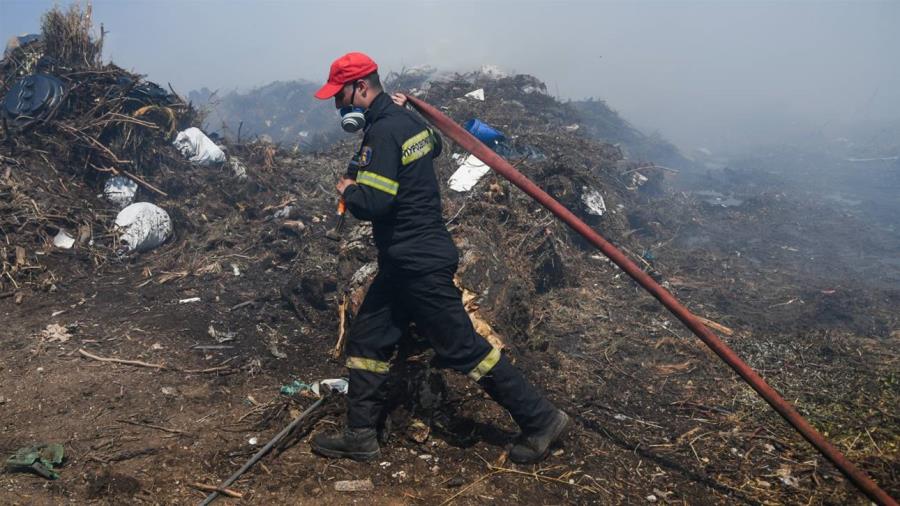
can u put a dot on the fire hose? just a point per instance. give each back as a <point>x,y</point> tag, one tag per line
<point>468,142</point>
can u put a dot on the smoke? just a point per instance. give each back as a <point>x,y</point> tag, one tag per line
<point>721,75</point>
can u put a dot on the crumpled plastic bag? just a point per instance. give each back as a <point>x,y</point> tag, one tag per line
<point>120,190</point>
<point>143,226</point>
<point>238,169</point>
<point>337,385</point>
<point>39,458</point>
<point>194,145</point>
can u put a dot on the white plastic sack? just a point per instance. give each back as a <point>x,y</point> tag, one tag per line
<point>198,148</point>
<point>63,240</point>
<point>468,174</point>
<point>120,191</point>
<point>143,226</point>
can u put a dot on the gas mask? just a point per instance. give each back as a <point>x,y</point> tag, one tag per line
<point>352,117</point>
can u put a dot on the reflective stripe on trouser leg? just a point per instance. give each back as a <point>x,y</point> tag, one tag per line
<point>365,398</point>
<point>368,364</point>
<point>371,341</point>
<point>486,364</point>
<point>509,388</point>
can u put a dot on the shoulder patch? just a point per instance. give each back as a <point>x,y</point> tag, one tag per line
<point>416,147</point>
<point>365,156</point>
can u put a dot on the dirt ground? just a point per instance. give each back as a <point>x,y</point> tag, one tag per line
<point>658,418</point>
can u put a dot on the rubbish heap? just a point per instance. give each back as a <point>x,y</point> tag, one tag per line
<point>70,123</point>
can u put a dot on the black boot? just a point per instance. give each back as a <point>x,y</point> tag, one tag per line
<point>533,446</point>
<point>532,412</point>
<point>356,444</point>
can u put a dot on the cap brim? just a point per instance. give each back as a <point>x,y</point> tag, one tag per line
<point>328,91</point>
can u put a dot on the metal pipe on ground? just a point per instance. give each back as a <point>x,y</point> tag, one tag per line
<point>783,407</point>
<point>262,452</point>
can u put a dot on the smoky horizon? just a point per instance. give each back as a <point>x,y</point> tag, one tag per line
<point>720,76</point>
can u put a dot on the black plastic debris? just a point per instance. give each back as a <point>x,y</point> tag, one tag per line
<point>32,97</point>
<point>143,93</point>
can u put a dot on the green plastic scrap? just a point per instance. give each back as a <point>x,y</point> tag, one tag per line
<point>39,458</point>
<point>294,387</point>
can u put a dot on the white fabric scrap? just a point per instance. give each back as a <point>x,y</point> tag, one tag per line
<point>468,174</point>
<point>477,94</point>
<point>144,226</point>
<point>594,202</point>
<point>194,145</point>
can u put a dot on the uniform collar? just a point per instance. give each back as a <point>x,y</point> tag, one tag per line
<point>377,107</point>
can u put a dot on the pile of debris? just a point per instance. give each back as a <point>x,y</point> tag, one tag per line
<point>82,141</point>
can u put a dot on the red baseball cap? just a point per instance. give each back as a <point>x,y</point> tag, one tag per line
<point>346,69</point>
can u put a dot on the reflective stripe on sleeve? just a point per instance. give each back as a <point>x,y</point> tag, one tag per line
<point>416,147</point>
<point>378,182</point>
<point>368,364</point>
<point>486,364</point>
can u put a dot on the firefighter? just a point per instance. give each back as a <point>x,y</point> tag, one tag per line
<point>396,189</point>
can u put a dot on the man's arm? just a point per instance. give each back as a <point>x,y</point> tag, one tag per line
<point>438,143</point>
<point>373,195</point>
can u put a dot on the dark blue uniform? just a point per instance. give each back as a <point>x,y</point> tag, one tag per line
<point>397,191</point>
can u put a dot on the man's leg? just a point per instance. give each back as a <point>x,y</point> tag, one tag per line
<point>374,335</point>
<point>435,304</point>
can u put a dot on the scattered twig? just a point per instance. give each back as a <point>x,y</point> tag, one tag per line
<point>144,183</point>
<point>784,303</point>
<point>874,443</point>
<point>538,476</point>
<point>263,451</point>
<point>718,327</point>
<point>242,304</point>
<point>467,487</point>
<point>204,371</point>
<point>494,470</point>
<point>137,363</point>
<point>161,367</point>
<point>212,488</point>
<point>151,426</point>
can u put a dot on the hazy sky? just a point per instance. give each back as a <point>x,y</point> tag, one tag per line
<point>701,73</point>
